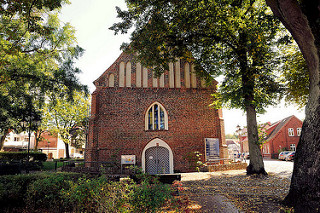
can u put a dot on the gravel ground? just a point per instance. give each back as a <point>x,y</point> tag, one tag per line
<point>234,191</point>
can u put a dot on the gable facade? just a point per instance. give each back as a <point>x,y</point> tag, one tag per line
<point>158,120</point>
<point>282,135</point>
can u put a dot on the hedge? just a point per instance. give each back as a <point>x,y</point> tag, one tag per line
<point>22,156</point>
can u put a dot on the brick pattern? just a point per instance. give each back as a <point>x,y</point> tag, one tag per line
<point>117,124</point>
<point>225,167</point>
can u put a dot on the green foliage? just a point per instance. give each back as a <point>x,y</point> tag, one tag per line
<point>14,188</point>
<point>296,77</point>
<point>194,160</point>
<point>44,193</point>
<point>97,195</point>
<point>148,197</point>
<point>36,57</point>
<point>232,136</point>
<point>68,192</point>
<point>67,118</point>
<point>236,39</point>
<point>23,156</point>
<point>262,134</point>
<point>50,165</point>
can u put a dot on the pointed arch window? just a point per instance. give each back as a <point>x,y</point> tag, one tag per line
<point>156,117</point>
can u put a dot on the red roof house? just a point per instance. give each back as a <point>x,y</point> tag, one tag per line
<point>282,135</point>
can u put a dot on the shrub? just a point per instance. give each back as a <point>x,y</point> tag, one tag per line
<point>44,193</point>
<point>148,197</point>
<point>97,195</point>
<point>22,156</point>
<point>194,160</point>
<point>71,192</point>
<point>15,188</point>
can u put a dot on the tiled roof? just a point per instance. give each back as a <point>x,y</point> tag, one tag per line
<point>279,126</point>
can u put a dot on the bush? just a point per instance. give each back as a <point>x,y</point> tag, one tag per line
<point>44,193</point>
<point>10,168</point>
<point>22,156</point>
<point>15,188</point>
<point>97,195</point>
<point>148,197</point>
<point>70,192</point>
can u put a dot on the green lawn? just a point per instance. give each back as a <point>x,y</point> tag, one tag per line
<point>49,165</point>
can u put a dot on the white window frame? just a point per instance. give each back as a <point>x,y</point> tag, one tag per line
<point>293,147</point>
<point>291,131</point>
<point>151,107</point>
<point>299,131</point>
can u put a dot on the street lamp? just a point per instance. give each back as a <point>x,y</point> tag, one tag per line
<point>239,134</point>
<point>48,148</point>
<point>26,123</point>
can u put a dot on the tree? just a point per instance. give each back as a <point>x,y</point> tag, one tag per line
<point>233,38</point>
<point>231,136</point>
<point>302,18</point>
<point>35,57</point>
<point>66,117</point>
<point>296,78</point>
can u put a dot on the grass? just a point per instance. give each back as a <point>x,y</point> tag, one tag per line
<point>50,165</point>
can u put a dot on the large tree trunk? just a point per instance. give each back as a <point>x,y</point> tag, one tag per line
<point>67,150</point>
<point>256,165</point>
<point>303,23</point>
<point>3,137</point>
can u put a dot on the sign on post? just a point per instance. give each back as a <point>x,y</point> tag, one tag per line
<point>128,159</point>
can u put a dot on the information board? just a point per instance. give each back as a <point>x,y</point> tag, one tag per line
<point>212,148</point>
<point>128,159</point>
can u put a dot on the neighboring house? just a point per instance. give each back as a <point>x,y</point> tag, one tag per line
<point>50,145</point>
<point>243,140</point>
<point>282,135</point>
<point>157,122</point>
<point>17,142</point>
<point>233,147</point>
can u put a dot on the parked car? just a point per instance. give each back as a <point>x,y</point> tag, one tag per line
<point>290,156</point>
<point>246,155</point>
<point>282,155</point>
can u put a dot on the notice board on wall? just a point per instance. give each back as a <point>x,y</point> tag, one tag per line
<point>212,149</point>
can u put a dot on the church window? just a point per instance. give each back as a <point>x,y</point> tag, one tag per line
<point>193,77</point>
<point>121,74</point>
<point>111,80</point>
<point>156,118</point>
<point>128,74</point>
<point>187,75</point>
<point>138,75</point>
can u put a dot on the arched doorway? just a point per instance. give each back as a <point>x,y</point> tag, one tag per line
<point>157,157</point>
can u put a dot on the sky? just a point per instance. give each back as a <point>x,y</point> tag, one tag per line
<point>91,20</point>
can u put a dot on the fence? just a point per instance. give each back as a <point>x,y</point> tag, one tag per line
<point>91,167</point>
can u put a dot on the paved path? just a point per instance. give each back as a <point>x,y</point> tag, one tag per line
<point>280,168</point>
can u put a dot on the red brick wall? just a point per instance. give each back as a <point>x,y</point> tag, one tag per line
<point>118,127</point>
<point>117,124</point>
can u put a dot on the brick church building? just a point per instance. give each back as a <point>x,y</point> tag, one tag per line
<point>158,123</point>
